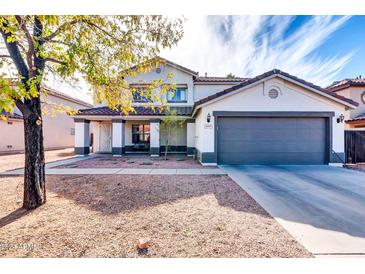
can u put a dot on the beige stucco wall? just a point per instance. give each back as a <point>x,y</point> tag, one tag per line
<point>204,90</point>
<point>56,129</point>
<point>11,133</point>
<point>354,93</point>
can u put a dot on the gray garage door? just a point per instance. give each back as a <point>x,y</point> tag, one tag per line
<point>271,140</point>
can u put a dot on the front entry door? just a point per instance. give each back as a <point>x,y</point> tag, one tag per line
<point>105,137</point>
<point>141,137</point>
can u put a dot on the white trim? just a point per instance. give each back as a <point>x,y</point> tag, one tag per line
<point>208,164</point>
<point>355,129</point>
<point>336,164</point>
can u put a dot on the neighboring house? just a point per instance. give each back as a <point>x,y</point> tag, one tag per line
<point>355,90</point>
<point>274,118</point>
<point>58,128</point>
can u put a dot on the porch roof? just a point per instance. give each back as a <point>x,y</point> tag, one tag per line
<point>139,111</point>
<point>358,119</point>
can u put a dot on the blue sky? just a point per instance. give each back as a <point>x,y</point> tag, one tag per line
<point>350,37</point>
<point>319,49</point>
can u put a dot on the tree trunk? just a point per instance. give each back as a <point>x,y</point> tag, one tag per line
<point>167,144</point>
<point>34,174</point>
<point>166,149</point>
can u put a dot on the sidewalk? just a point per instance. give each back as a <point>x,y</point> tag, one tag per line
<point>131,171</point>
<point>51,169</point>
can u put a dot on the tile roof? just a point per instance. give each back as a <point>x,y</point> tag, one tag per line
<point>268,74</point>
<point>219,79</point>
<point>11,115</point>
<point>140,111</point>
<point>360,117</point>
<point>345,83</point>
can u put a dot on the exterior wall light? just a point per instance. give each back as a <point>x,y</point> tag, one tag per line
<point>340,119</point>
<point>208,118</point>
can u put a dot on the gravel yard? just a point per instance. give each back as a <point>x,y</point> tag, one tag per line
<point>359,166</point>
<point>105,215</point>
<point>14,161</point>
<point>136,161</point>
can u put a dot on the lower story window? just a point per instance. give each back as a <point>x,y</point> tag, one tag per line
<point>140,134</point>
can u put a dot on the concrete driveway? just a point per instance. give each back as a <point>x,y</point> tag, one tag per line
<point>321,206</point>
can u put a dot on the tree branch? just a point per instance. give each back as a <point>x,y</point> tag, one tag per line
<point>29,39</point>
<point>5,56</point>
<point>53,60</point>
<point>39,61</point>
<point>20,105</point>
<point>102,30</point>
<point>59,42</point>
<point>58,31</point>
<point>14,52</point>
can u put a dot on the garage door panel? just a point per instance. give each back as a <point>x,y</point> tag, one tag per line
<point>261,134</point>
<point>271,147</point>
<point>271,140</point>
<point>269,159</point>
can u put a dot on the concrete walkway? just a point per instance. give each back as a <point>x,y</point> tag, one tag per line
<point>131,171</point>
<point>71,160</point>
<point>51,169</point>
<point>323,207</point>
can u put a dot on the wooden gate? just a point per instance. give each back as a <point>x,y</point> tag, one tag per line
<point>355,146</point>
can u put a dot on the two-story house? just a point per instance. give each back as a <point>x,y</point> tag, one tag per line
<point>355,90</point>
<point>273,118</point>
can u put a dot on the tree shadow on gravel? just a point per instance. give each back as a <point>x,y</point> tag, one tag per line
<point>13,216</point>
<point>112,194</point>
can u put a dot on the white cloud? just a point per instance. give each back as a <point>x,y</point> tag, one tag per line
<point>250,45</point>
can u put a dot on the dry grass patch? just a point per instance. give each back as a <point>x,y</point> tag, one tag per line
<point>358,166</point>
<point>105,215</point>
<point>136,161</point>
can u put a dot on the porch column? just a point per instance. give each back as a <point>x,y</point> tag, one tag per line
<point>155,137</point>
<point>190,137</point>
<point>82,136</point>
<point>118,137</point>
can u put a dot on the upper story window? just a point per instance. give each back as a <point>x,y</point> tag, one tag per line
<point>139,98</point>
<point>178,95</point>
